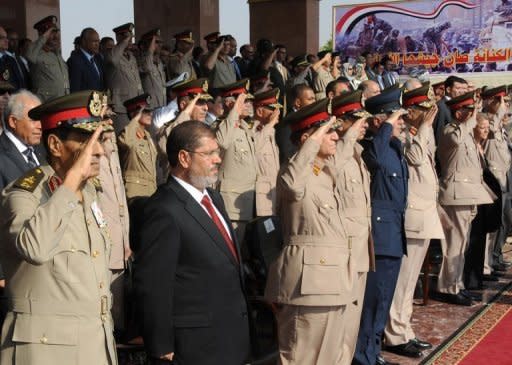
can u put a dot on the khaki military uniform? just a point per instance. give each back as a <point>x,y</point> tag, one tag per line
<point>238,171</point>
<point>422,223</point>
<point>179,63</point>
<point>311,278</point>
<point>123,80</point>
<point>138,155</point>
<point>161,145</point>
<point>55,253</point>
<point>113,204</point>
<point>48,71</point>
<point>320,82</point>
<point>153,79</point>
<point>267,156</point>
<point>461,189</point>
<point>355,212</point>
<point>498,159</point>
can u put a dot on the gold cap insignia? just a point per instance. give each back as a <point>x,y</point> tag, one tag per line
<point>248,85</point>
<point>95,104</point>
<point>329,107</point>
<point>6,75</point>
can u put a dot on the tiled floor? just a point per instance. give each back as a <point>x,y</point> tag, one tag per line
<point>437,321</point>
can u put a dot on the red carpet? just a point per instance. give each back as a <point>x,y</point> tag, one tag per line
<point>495,348</point>
<point>486,339</point>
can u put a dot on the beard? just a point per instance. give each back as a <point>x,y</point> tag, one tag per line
<point>203,181</point>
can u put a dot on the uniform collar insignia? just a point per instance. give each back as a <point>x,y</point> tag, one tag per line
<point>54,182</point>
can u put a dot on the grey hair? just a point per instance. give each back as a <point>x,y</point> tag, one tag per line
<point>16,104</point>
<point>412,84</point>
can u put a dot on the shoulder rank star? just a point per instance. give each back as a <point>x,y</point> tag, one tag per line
<point>30,180</point>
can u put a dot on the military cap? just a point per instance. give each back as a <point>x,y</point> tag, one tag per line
<point>301,60</point>
<point>349,103</point>
<point>192,88</point>
<point>321,54</point>
<point>466,100</point>
<point>184,36</point>
<point>44,24</point>
<point>312,115</point>
<point>133,105</point>
<point>488,93</point>
<point>386,102</point>
<point>437,85</point>
<point>422,96</point>
<point>235,89</point>
<point>79,111</point>
<point>177,80</point>
<point>269,98</point>
<point>148,36</point>
<point>212,37</point>
<point>128,27</point>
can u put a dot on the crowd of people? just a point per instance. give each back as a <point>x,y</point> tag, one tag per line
<point>175,173</point>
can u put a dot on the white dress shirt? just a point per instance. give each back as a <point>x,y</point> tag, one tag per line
<point>198,196</point>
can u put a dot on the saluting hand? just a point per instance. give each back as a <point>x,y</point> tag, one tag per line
<point>319,134</point>
<point>274,117</point>
<point>82,170</point>
<point>431,116</point>
<point>240,103</point>
<point>168,357</point>
<point>190,106</point>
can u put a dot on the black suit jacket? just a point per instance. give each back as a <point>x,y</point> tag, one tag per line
<point>189,287</point>
<point>11,72</point>
<point>12,162</point>
<point>83,75</point>
<point>443,117</point>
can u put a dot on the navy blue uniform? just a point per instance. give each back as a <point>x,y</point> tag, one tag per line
<point>383,154</point>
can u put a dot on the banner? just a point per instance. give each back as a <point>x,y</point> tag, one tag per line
<point>443,36</point>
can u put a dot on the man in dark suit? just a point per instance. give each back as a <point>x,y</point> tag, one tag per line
<point>20,148</point>
<point>187,276</point>
<point>8,66</point>
<point>383,154</point>
<point>85,65</point>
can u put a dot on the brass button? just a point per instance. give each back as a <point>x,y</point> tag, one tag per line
<point>88,221</point>
<point>103,318</point>
<point>394,174</point>
<point>44,339</point>
<point>95,254</point>
<point>326,206</point>
<point>73,249</point>
<point>465,180</point>
<point>101,285</point>
<point>322,261</point>
<point>411,206</point>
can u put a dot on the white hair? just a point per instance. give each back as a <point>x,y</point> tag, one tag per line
<point>17,103</point>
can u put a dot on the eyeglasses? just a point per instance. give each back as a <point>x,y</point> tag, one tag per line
<point>207,154</point>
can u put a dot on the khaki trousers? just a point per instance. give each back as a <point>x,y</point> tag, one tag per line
<point>398,329</point>
<point>454,248</point>
<point>310,335</point>
<point>353,318</point>
<point>490,241</point>
<point>117,289</point>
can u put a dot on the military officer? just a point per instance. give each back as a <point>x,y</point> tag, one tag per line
<point>498,158</point>
<point>192,96</point>
<point>122,74</point>
<point>55,246</point>
<point>388,188</point>
<point>266,113</point>
<point>137,150</point>
<point>355,212</point>
<point>181,60</point>
<point>115,208</point>
<point>310,281</point>
<point>422,222</point>
<point>151,68</point>
<point>461,188</point>
<point>327,72</point>
<point>239,166</point>
<point>48,69</point>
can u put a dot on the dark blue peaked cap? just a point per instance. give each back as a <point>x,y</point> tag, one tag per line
<point>386,102</point>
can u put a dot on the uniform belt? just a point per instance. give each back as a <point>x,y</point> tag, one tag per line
<point>85,308</point>
<point>305,240</point>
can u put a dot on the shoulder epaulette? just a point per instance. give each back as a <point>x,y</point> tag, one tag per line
<point>97,184</point>
<point>30,180</point>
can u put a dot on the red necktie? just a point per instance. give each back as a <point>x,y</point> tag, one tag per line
<point>209,207</point>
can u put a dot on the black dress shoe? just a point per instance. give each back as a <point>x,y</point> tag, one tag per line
<point>458,299</point>
<point>472,295</point>
<point>382,361</point>
<point>406,349</point>
<point>487,277</point>
<point>422,345</point>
